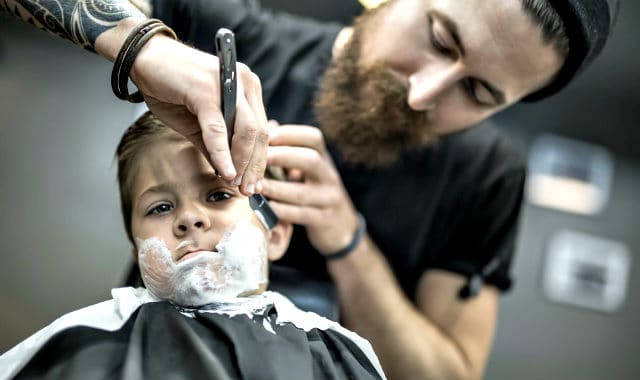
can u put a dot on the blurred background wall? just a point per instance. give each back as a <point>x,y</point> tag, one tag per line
<point>63,246</point>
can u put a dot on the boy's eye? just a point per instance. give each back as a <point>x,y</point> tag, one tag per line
<point>160,209</point>
<point>218,196</point>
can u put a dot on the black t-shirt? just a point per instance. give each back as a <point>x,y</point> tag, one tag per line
<point>453,205</point>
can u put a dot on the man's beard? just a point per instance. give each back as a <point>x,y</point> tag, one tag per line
<point>364,112</point>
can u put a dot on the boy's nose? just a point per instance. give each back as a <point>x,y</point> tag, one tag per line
<point>430,82</point>
<point>191,219</point>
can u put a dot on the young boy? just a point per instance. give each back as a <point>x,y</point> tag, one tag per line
<point>203,255</point>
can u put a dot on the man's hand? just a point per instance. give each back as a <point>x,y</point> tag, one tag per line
<point>440,337</point>
<point>315,196</point>
<point>180,86</point>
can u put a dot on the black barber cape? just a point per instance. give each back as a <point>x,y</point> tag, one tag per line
<point>134,336</point>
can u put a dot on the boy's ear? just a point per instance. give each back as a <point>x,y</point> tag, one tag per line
<point>279,241</point>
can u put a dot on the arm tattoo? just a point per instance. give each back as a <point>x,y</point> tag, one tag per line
<point>79,21</point>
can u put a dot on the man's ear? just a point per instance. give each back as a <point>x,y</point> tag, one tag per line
<point>279,241</point>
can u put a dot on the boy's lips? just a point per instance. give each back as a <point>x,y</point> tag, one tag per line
<point>192,253</point>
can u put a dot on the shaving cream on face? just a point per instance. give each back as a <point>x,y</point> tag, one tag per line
<point>238,267</point>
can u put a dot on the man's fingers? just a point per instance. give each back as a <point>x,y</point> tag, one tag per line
<point>243,144</point>
<point>250,136</point>
<point>297,193</point>
<point>214,137</point>
<point>295,175</point>
<point>309,161</point>
<point>298,135</point>
<point>255,169</point>
<point>302,215</point>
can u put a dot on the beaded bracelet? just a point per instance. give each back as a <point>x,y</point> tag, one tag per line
<point>362,228</point>
<point>128,53</point>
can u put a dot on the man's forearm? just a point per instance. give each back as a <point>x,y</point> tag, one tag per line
<point>79,21</point>
<point>372,304</point>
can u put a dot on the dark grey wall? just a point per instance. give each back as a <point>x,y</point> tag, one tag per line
<point>63,246</point>
<point>538,339</point>
<point>61,241</point>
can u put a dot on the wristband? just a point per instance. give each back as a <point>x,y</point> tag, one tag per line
<point>362,228</point>
<point>128,53</point>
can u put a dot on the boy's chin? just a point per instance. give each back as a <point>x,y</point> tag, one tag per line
<point>260,290</point>
<point>202,295</point>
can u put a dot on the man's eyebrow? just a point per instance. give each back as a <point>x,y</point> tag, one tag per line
<point>451,27</point>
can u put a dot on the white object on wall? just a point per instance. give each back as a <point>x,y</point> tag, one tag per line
<point>569,175</point>
<point>586,271</point>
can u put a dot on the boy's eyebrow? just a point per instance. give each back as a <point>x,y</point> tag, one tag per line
<point>160,188</point>
<point>172,187</point>
<point>208,177</point>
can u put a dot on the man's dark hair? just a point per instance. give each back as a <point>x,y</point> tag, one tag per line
<point>547,18</point>
<point>577,28</point>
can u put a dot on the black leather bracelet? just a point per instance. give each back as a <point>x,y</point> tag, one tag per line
<point>129,58</point>
<point>117,72</point>
<point>362,228</point>
<point>128,53</point>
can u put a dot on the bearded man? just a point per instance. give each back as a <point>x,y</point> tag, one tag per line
<point>400,96</point>
<point>403,88</point>
<point>396,96</point>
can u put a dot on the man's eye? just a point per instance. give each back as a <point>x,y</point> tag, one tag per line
<point>478,93</point>
<point>440,47</point>
<point>160,209</point>
<point>436,42</point>
<point>469,88</point>
<point>218,196</point>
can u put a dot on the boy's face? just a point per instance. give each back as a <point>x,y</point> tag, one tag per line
<point>197,237</point>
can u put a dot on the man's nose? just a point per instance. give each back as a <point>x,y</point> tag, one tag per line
<point>428,84</point>
<point>190,219</point>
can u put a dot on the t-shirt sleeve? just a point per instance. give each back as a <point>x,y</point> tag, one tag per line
<point>484,241</point>
<point>496,242</point>
<point>196,21</point>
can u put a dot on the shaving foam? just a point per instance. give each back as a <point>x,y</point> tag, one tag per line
<point>238,266</point>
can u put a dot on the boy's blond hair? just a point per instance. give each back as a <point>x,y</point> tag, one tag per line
<point>144,132</point>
